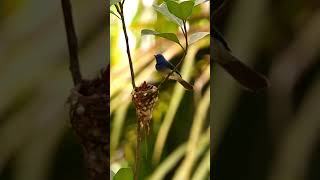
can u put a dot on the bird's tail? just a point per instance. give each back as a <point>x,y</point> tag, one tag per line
<point>185,84</point>
<point>249,78</point>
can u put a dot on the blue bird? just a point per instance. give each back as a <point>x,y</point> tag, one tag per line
<point>165,67</point>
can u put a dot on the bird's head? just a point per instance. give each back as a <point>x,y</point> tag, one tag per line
<point>159,57</point>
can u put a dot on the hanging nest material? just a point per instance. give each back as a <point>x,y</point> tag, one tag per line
<point>89,114</point>
<point>144,99</point>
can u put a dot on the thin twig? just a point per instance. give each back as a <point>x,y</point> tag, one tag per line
<point>120,11</point>
<point>115,15</point>
<point>184,31</point>
<point>72,42</point>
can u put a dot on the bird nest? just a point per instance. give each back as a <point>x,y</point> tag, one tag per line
<point>144,99</point>
<point>89,113</point>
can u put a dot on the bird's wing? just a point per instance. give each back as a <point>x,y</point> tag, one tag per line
<point>168,65</point>
<point>171,66</point>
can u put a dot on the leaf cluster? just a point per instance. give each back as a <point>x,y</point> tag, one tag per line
<point>178,13</point>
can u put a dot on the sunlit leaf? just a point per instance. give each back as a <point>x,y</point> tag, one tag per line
<point>163,9</point>
<point>197,36</point>
<point>182,10</point>
<point>124,174</point>
<point>199,2</point>
<point>169,36</point>
<point>112,2</point>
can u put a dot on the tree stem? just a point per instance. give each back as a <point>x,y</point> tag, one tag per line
<point>74,66</point>
<point>120,11</point>
<point>137,154</point>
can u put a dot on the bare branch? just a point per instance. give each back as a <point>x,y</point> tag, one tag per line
<point>120,11</point>
<point>72,42</point>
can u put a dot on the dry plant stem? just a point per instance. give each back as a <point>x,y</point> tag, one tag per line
<point>120,11</point>
<point>137,163</point>
<point>72,42</point>
<point>185,34</point>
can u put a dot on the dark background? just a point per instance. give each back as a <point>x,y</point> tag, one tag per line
<point>272,134</point>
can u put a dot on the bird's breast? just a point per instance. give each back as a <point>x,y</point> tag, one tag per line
<point>164,70</point>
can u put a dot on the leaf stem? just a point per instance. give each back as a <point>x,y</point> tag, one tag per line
<point>115,15</point>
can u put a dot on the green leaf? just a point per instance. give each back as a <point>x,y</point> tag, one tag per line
<point>124,174</point>
<point>197,36</point>
<point>112,2</point>
<point>182,10</point>
<point>200,1</point>
<point>169,36</point>
<point>163,9</point>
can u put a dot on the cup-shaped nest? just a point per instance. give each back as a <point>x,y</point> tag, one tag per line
<point>89,113</point>
<point>144,99</point>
